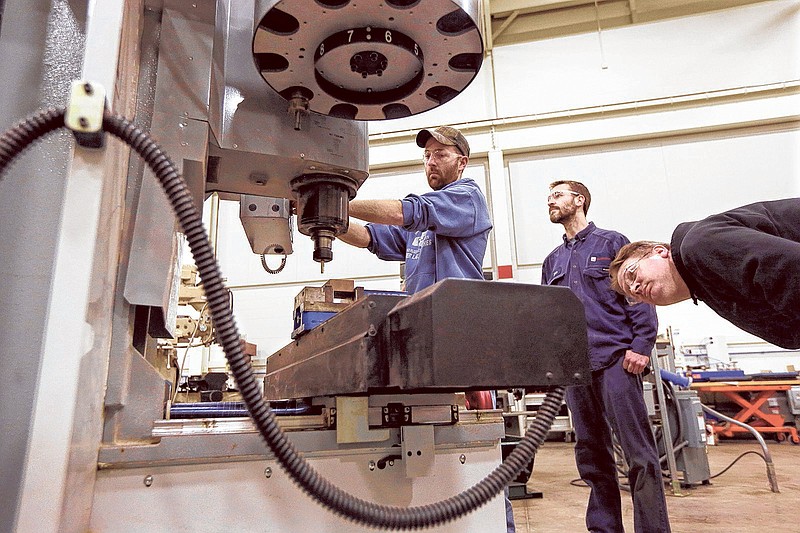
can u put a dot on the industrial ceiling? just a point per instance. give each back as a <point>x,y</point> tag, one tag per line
<point>519,21</point>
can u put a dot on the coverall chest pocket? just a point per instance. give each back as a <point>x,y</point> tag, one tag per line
<point>598,282</point>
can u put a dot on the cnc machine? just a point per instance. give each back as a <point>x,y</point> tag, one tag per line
<point>263,101</point>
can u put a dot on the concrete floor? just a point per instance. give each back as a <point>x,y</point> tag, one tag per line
<point>738,501</point>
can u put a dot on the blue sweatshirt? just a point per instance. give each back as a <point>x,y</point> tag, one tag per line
<point>613,325</point>
<point>444,235</point>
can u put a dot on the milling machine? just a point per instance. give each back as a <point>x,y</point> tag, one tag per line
<point>264,101</point>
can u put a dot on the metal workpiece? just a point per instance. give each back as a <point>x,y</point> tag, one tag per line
<point>315,305</point>
<point>333,296</point>
<point>371,59</point>
<point>339,357</point>
<point>457,335</point>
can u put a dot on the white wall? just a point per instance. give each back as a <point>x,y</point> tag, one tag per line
<point>694,115</point>
<point>738,47</point>
<point>644,190</point>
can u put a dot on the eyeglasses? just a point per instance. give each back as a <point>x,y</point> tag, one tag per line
<point>438,155</point>
<point>629,274</point>
<point>629,278</point>
<point>555,195</point>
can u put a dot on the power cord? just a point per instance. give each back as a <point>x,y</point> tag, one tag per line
<point>270,270</point>
<point>736,460</point>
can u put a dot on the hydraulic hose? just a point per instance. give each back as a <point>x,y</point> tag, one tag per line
<point>14,141</point>
<point>771,476</point>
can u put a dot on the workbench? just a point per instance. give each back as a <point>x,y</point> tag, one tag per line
<point>751,396</point>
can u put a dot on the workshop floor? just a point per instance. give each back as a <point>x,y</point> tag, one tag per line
<point>738,501</point>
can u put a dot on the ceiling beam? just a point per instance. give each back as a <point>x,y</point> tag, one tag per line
<point>634,17</point>
<point>506,23</point>
<point>534,21</point>
<point>499,7</point>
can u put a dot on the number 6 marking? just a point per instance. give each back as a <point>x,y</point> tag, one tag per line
<point>388,36</point>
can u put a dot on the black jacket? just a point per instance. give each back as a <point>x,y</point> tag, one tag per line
<point>745,265</point>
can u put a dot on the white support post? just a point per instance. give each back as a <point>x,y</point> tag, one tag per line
<point>68,337</point>
<point>501,216</point>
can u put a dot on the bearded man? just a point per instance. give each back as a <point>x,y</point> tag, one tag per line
<point>621,338</point>
<point>439,234</point>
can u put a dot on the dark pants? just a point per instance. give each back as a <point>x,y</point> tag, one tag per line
<point>510,526</point>
<point>615,397</point>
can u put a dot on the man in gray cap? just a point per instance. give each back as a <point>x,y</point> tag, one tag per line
<point>440,234</point>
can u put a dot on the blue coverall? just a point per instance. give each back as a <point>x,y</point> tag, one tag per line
<point>614,399</point>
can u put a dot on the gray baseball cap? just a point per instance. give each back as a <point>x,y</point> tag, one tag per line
<point>445,135</point>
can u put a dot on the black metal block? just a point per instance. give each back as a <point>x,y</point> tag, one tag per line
<point>340,356</point>
<point>457,335</point>
<point>473,335</point>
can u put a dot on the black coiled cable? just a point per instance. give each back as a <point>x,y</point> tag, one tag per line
<point>15,140</point>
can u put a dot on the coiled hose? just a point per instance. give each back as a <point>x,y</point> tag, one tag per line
<point>14,141</point>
